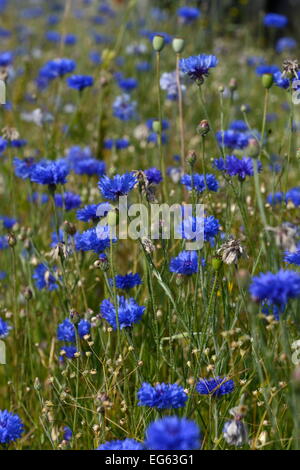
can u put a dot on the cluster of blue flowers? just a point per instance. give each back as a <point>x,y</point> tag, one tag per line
<point>200,182</point>
<point>234,166</point>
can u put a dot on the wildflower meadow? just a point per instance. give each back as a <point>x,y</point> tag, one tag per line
<point>149,226</point>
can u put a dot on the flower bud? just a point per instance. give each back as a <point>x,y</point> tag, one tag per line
<point>191,158</point>
<point>27,292</point>
<point>69,228</point>
<point>158,43</point>
<point>221,89</point>
<point>74,317</point>
<point>216,263</point>
<point>12,241</point>
<point>178,45</point>
<point>102,262</point>
<point>233,84</point>
<point>267,80</point>
<point>37,384</point>
<point>203,128</point>
<point>156,127</point>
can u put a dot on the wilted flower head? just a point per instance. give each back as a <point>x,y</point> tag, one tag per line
<point>290,68</point>
<point>231,251</point>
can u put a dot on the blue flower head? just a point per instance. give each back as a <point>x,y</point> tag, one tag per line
<point>186,263</point>
<point>128,281</point>
<point>57,68</point>
<point>50,172</point>
<point>235,166</point>
<point>285,44</point>
<point>123,108</point>
<point>216,386</point>
<point>11,427</point>
<point>94,239</point>
<point>119,185</point>
<point>197,67</point>
<point>80,82</point>
<point>162,396</point>
<point>67,352</point>
<point>293,195</point>
<point>126,444</point>
<point>68,200</point>
<point>153,175</point>
<point>292,257</point>
<point>4,329</point>
<point>7,222</point>
<point>188,14</point>
<point>66,331</point>
<point>43,278</point>
<point>129,312</point>
<point>200,182</point>
<point>274,20</point>
<point>173,433</point>
<point>275,288</point>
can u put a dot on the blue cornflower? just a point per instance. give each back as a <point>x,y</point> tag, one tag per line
<point>128,281</point>
<point>200,182</point>
<point>173,433</point>
<point>80,82</point>
<point>68,352</point>
<point>127,84</point>
<point>235,166</point>
<point>89,166</point>
<point>67,433</point>
<point>11,427</point>
<point>153,175</point>
<point>53,36</point>
<point>281,81</point>
<point>57,68</point>
<point>188,14</point>
<point>3,144</point>
<point>119,185</point>
<point>84,328</point>
<point>66,331</point>
<point>216,386</point>
<point>267,69</point>
<point>168,82</point>
<point>4,329</point>
<point>143,66</point>
<point>122,143</point>
<point>293,195</point>
<point>126,444</point>
<point>197,67</point>
<point>275,198</point>
<point>94,239</point>
<point>185,263</point>
<point>123,108</point>
<point>274,20</point>
<point>95,57</point>
<point>70,39</point>
<point>8,222</point>
<point>284,44</point>
<point>93,212</point>
<point>195,228</point>
<point>3,242</point>
<point>275,288</point>
<point>232,139</point>
<point>291,257</point>
<point>129,312</point>
<point>239,126</point>
<point>3,275</point>
<point>68,200</point>
<point>6,58</point>
<point>43,278</point>
<point>162,396</point>
<point>50,172</point>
